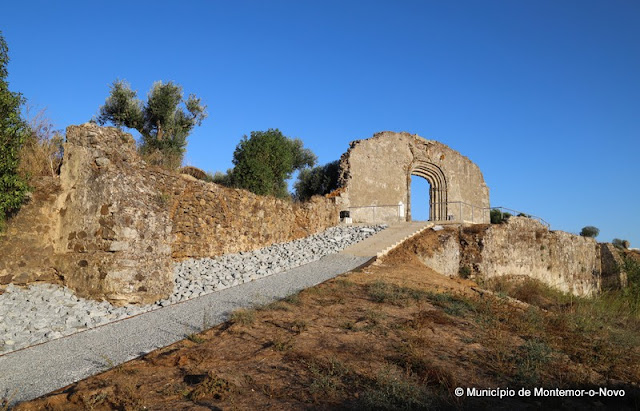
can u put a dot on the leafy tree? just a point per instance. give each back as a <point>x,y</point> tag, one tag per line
<point>319,180</point>
<point>13,131</point>
<point>590,231</point>
<point>163,123</point>
<point>263,162</point>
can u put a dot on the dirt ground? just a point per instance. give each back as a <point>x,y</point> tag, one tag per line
<point>394,335</point>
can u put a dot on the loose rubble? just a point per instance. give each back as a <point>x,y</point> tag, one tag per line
<point>43,312</point>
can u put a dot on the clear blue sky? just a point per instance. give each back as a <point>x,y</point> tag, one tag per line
<point>543,95</point>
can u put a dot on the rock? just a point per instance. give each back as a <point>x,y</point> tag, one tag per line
<point>102,162</point>
<point>119,246</point>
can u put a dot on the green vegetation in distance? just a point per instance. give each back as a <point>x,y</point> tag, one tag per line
<point>267,159</point>
<point>13,132</point>
<point>590,231</point>
<point>162,122</point>
<point>498,217</point>
<point>621,243</point>
<point>318,180</point>
<point>264,161</point>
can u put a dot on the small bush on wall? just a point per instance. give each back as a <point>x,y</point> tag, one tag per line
<point>590,231</point>
<point>498,217</point>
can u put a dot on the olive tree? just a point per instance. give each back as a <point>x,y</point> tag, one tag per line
<point>164,121</point>
<point>590,231</point>
<point>318,180</point>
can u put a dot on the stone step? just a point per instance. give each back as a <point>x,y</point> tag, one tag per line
<point>383,242</point>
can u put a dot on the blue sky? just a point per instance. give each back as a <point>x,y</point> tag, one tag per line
<point>543,95</point>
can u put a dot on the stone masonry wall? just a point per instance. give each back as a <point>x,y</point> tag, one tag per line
<point>209,219</point>
<point>113,235</point>
<point>26,246</point>
<point>521,247</point>
<point>613,273</point>
<point>444,257</point>
<point>110,227</point>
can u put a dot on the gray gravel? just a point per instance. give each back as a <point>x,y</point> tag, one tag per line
<point>44,312</point>
<point>38,370</point>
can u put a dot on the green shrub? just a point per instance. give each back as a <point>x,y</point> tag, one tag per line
<point>498,217</point>
<point>530,358</point>
<point>243,317</point>
<point>221,178</point>
<point>165,120</point>
<point>264,161</point>
<point>590,231</point>
<point>456,305</point>
<point>382,292</point>
<point>620,243</point>
<point>464,271</point>
<point>319,180</point>
<point>390,392</point>
<point>631,294</point>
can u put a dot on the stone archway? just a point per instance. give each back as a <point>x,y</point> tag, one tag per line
<point>376,180</point>
<point>438,197</point>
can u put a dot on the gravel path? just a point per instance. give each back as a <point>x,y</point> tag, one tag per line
<point>44,312</point>
<point>38,370</point>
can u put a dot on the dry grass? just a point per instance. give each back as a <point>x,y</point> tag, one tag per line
<point>244,317</point>
<point>601,334</point>
<point>41,154</point>
<point>163,160</point>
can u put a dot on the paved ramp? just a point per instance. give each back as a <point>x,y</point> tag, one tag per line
<point>35,371</point>
<point>386,240</point>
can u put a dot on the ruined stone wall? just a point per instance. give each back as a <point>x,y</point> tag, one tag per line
<point>521,247</point>
<point>113,234</point>
<point>209,219</point>
<point>613,273</point>
<point>111,226</point>
<point>377,172</point>
<point>26,246</point>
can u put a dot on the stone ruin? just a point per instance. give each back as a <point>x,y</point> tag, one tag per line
<point>376,180</point>
<point>111,226</point>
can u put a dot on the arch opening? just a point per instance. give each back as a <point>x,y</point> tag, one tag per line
<point>419,198</point>
<point>437,189</point>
